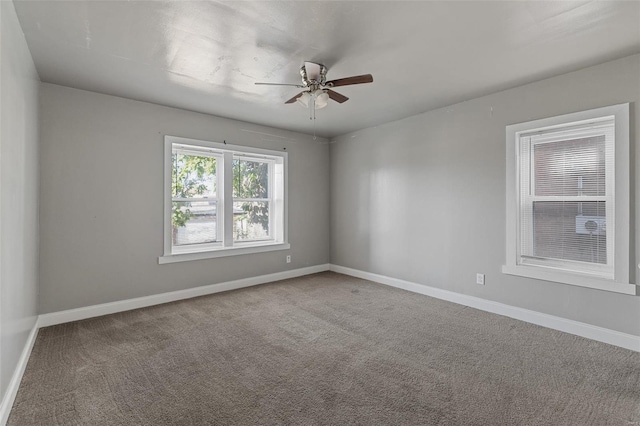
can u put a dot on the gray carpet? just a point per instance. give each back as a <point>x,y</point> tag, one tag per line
<point>325,349</point>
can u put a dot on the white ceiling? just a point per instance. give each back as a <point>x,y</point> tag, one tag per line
<point>206,56</point>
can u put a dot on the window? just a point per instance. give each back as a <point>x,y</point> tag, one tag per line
<point>568,199</point>
<point>222,200</point>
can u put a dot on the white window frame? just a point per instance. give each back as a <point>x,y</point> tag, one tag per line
<point>270,199</point>
<point>227,246</point>
<point>219,225</point>
<point>613,277</point>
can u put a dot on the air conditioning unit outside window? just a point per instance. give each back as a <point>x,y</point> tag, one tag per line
<point>591,225</point>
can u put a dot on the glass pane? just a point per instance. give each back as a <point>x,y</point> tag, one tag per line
<point>250,179</point>
<point>194,222</point>
<point>194,176</point>
<point>250,221</point>
<point>570,230</point>
<point>572,167</point>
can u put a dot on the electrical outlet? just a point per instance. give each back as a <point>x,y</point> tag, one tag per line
<point>480,279</point>
<point>288,258</point>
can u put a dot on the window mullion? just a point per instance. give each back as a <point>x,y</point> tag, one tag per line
<point>227,199</point>
<point>192,199</point>
<point>251,200</point>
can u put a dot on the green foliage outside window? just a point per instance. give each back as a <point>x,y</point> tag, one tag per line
<point>251,180</point>
<point>193,176</point>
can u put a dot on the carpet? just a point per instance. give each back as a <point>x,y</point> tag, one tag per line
<point>324,349</point>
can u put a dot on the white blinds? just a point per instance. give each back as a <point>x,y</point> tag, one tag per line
<point>566,196</point>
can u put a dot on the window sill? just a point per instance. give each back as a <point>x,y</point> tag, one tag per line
<point>547,274</point>
<point>222,252</point>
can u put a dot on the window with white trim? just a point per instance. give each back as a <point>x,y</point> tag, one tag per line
<point>222,200</point>
<point>568,199</point>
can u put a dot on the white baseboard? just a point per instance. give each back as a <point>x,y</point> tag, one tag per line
<point>46,320</point>
<point>601,334</point>
<point>612,337</point>
<point>14,384</point>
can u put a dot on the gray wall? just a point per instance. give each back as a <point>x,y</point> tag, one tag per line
<point>423,199</point>
<point>19,85</point>
<point>102,199</point>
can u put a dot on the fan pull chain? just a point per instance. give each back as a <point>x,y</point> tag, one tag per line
<point>312,114</point>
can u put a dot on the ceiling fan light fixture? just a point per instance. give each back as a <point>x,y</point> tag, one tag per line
<point>321,98</point>
<point>304,99</point>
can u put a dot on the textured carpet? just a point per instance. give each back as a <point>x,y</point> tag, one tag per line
<point>324,349</point>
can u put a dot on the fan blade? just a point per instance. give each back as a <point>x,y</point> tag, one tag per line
<point>295,98</point>
<point>279,84</point>
<point>357,79</point>
<point>337,96</point>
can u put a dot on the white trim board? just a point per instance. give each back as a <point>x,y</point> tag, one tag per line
<point>54,318</point>
<point>605,335</point>
<point>14,384</point>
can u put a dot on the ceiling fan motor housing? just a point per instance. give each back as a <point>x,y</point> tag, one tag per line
<point>316,75</point>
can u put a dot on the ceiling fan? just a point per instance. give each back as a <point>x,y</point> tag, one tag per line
<point>317,90</point>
